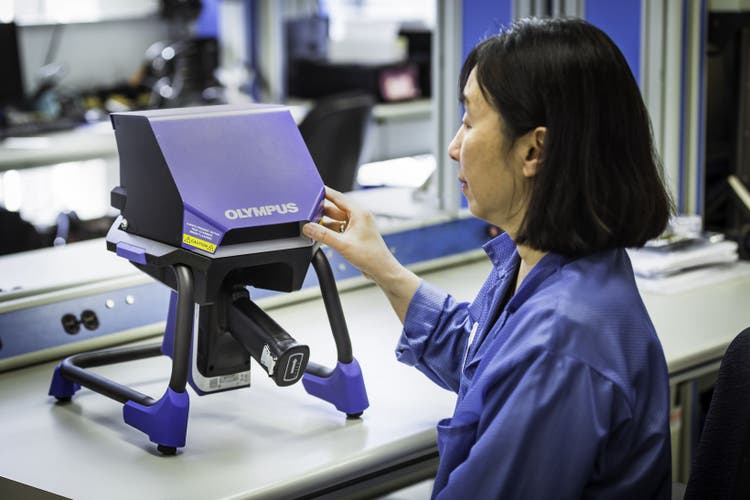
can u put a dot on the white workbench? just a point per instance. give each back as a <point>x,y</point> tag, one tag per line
<point>277,442</point>
<point>238,442</point>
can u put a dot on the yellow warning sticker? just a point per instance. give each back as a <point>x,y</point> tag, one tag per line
<point>198,243</point>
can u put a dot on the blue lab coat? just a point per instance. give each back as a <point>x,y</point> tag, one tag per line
<point>565,395</point>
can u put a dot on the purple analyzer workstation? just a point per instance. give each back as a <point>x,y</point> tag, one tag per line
<point>212,201</point>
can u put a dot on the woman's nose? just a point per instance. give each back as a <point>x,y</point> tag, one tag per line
<point>454,148</point>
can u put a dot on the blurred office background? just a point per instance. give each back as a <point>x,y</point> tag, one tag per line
<point>361,72</point>
<point>372,85</point>
<point>67,65</point>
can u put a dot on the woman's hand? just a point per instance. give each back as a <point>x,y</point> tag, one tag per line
<point>351,231</point>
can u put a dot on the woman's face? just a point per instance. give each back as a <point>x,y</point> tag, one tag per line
<point>489,171</point>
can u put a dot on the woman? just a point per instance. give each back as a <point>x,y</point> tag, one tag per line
<point>562,383</point>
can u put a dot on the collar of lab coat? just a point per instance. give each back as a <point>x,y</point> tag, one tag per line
<point>503,254</point>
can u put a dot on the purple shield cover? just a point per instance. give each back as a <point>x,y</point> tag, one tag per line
<point>236,167</point>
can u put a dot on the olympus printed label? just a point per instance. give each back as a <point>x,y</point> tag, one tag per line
<point>261,211</point>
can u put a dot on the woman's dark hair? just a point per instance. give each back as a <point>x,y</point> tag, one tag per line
<point>599,184</point>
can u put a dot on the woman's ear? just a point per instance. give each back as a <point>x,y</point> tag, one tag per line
<point>534,146</point>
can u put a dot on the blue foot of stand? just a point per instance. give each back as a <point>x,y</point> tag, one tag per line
<point>344,388</point>
<point>165,422</point>
<point>62,388</point>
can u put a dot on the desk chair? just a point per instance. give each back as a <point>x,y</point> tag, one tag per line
<point>16,234</point>
<point>334,131</point>
<point>721,466</point>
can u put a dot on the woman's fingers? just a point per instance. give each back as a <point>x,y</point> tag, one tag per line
<point>335,225</point>
<point>336,206</point>
<point>346,205</point>
<point>334,212</point>
<point>352,232</point>
<point>322,234</point>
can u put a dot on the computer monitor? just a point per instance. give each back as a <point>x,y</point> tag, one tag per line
<point>11,84</point>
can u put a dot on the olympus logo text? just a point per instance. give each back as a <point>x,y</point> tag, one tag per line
<point>261,211</point>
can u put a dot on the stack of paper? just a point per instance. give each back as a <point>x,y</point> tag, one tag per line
<point>660,262</point>
<point>699,277</point>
